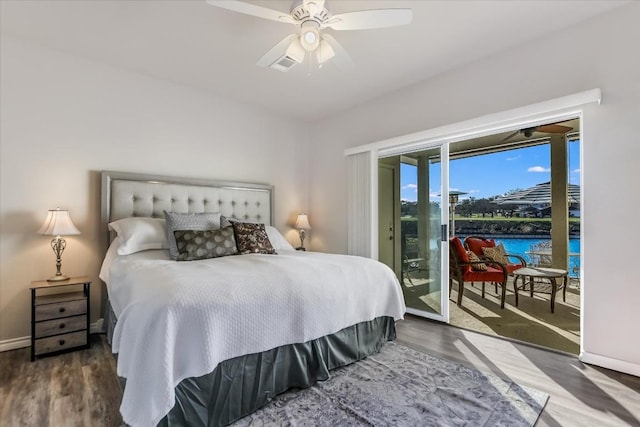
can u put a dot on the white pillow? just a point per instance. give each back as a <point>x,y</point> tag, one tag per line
<point>140,234</point>
<point>277,240</point>
<point>112,252</point>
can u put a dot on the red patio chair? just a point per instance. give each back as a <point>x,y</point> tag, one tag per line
<point>461,270</point>
<point>476,243</point>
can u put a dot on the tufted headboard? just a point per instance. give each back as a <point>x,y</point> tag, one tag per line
<point>131,194</point>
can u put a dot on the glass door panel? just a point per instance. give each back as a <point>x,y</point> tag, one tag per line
<point>422,273</point>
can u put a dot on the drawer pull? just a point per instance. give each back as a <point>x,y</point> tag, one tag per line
<point>62,325</point>
<point>62,309</point>
<point>61,342</point>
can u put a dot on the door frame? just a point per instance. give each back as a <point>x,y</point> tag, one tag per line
<point>397,268</point>
<point>549,111</point>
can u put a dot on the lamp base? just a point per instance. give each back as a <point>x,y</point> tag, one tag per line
<point>59,278</point>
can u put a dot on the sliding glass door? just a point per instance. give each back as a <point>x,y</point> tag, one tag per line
<point>419,236</point>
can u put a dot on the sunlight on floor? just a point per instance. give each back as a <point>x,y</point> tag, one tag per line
<point>532,321</point>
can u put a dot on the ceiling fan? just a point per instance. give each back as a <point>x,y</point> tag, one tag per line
<point>312,17</point>
<point>528,132</point>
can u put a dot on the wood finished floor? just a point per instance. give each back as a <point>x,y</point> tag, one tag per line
<point>580,395</point>
<point>81,389</point>
<point>71,389</point>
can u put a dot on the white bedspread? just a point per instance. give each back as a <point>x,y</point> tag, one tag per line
<point>181,319</point>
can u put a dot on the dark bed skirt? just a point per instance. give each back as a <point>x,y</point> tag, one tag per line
<point>239,386</point>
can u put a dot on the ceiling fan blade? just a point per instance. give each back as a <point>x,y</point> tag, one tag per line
<point>278,51</point>
<point>366,19</point>
<point>553,128</point>
<point>510,136</point>
<point>253,10</point>
<point>341,59</point>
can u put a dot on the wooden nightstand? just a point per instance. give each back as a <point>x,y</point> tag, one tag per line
<point>60,321</point>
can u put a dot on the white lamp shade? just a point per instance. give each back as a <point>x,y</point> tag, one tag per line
<point>58,223</point>
<point>303,222</point>
<point>325,52</point>
<point>296,51</point>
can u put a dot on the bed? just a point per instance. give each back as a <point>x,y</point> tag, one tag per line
<point>207,342</point>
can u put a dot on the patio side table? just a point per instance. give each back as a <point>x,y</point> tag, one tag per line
<point>550,274</point>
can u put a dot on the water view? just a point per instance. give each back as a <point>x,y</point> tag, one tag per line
<point>522,246</point>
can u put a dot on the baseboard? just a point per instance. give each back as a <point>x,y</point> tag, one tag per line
<point>15,343</point>
<point>610,363</point>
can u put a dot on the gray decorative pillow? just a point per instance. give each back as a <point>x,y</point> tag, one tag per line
<point>190,221</point>
<point>202,244</point>
<point>252,238</point>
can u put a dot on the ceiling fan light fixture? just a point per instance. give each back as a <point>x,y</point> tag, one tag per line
<point>296,52</point>
<point>310,36</point>
<point>324,52</point>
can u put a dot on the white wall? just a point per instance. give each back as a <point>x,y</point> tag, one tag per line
<point>65,119</point>
<point>599,53</point>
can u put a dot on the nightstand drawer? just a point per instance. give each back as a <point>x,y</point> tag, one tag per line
<point>61,309</point>
<point>59,320</point>
<point>61,326</point>
<point>60,342</point>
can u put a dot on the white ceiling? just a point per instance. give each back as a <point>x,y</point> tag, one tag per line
<point>215,50</point>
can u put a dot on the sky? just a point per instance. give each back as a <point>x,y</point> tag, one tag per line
<point>492,174</point>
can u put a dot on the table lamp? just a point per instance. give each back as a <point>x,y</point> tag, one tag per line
<point>58,223</point>
<point>302,224</point>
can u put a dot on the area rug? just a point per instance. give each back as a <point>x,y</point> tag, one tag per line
<point>403,387</point>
